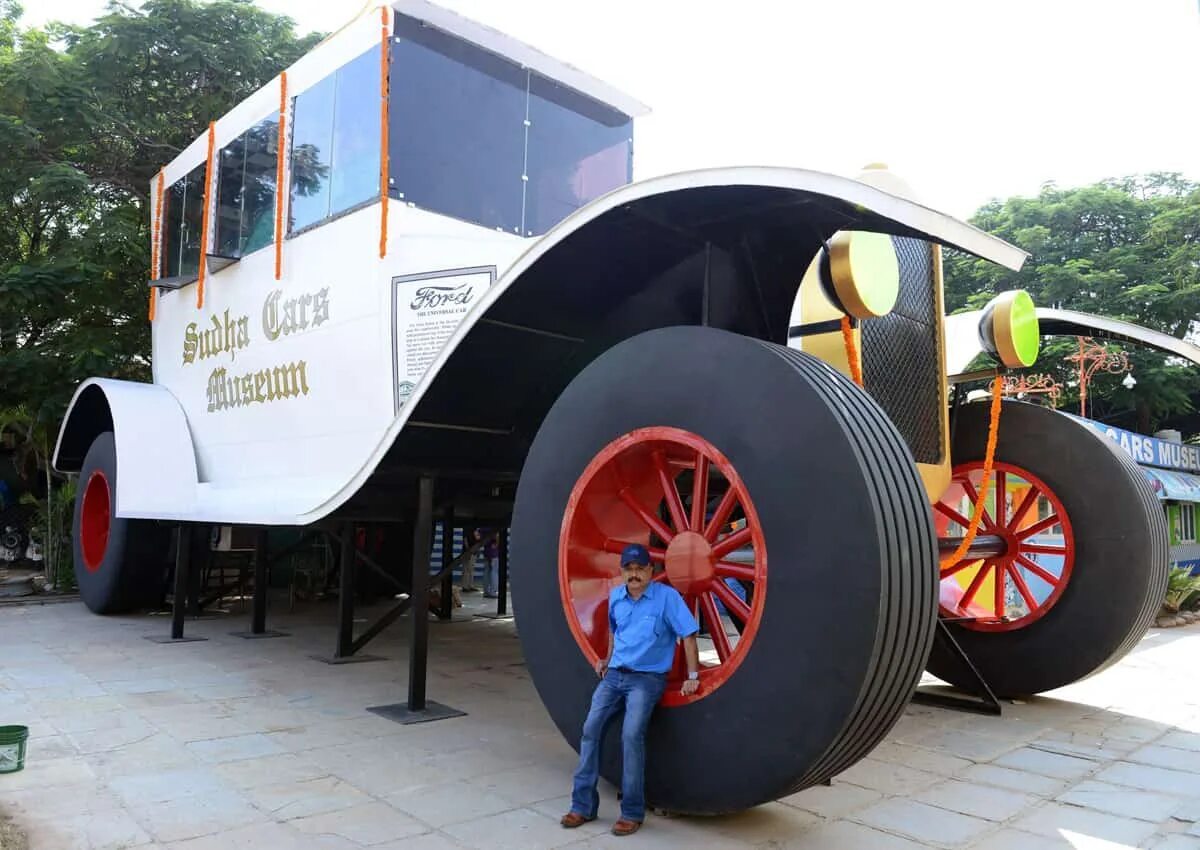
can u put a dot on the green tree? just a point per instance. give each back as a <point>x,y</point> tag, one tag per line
<point>1128,249</point>
<point>88,115</point>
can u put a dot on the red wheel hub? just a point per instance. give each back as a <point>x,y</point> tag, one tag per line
<point>94,520</point>
<point>1011,590</point>
<point>675,493</point>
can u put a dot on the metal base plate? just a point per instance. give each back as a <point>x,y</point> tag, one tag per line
<point>264,634</point>
<point>401,713</point>
<point>495,616</point>
<point>169,639</point>
<point>348,659</point>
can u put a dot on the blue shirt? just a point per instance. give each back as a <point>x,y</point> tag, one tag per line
<point>645,630</point>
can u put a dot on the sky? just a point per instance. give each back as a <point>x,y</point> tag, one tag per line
<point>968,100</point>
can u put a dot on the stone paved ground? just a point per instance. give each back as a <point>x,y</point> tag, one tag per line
<point>230,744</point>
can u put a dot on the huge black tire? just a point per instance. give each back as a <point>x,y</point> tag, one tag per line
<point>119,563</point>
<point>850,606</point>
<point>1121,552</point>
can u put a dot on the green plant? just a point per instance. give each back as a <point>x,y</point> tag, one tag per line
<point>51,528</point>
<point>1181,584</point>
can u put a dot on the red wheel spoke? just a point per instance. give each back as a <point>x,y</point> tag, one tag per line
<point>1001,497</point>
<point>998,575</point>
<point>1019,580</point>
<point>961,565</point>
<point>699,492</point>
<point>726,569</point>
<point>734,541</point>
<point>954,515</point>
<point>973,587</point>
<point>724,509</point>
<point>670,493</point>
<point>1038,527</point>
<point>1023,508</point>
<point>973,495</point>
<point>1043,550</point>
<point>652,522</point>
<point>730,600</point>
<point>716,627</point>
<point>1045,576</point>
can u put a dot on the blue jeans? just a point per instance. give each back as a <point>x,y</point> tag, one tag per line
<point>639,692</point>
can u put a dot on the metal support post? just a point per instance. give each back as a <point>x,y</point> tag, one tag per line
<point>196,570</point>
<point>258,611</point>
<point>348,565</point>
<point>418,709</point>
<point>418,655</point>
<point>502,544</point>
<point>183,570</point>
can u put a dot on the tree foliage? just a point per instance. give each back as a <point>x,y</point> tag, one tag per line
<point>88,115</point>
<point>1127,249</point>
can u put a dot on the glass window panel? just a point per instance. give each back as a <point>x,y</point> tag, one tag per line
<point>356,134</point>
<point>312,151</point>
<point>579,149</point>
<point>183,223</point>
<point>172,221</point>
<point>261,146</point>
<point>193,221</point>
<point>231,169</point>
<point>457,127</point>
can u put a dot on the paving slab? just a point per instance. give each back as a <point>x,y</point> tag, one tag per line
<point>1053,819</point>
<point>1175,842</point>
<point>1015,839</point>
<point>1149,778</point>
<point>1013,779</point>
<point>981,801</point>
<point>833,801</point>
<point>925,823</point>
<point>370,823</point>
<point>1054,765</point>
<point>1119,800</point>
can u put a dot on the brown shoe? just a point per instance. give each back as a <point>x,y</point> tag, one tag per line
<point>571,820</point>
<point>626,827</point>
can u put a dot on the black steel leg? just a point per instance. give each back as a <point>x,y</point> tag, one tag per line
<point>418,709</point>
<point>258,613</point>
<point>198,561</point>
<point>183,571</point>
<point>258,617</point>
<point>502,602</point>
<point>348,564</point>
<point>419,649</point>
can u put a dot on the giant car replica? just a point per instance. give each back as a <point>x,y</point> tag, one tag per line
<point>414,271</point>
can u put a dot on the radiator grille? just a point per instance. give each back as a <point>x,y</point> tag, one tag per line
<point>901,363</point>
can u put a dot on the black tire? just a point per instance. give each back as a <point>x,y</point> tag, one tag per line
<point>130,574</point>
<point>851,603</point>
<point>1119,576</point>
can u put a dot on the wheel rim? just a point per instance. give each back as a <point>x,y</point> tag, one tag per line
<point>1018,588</point>
<point>95,520</point>
<point>675,493</point>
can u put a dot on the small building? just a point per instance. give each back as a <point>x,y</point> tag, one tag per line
<point>1173,469</point>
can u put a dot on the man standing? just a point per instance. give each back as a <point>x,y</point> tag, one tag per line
<point>646,618</point>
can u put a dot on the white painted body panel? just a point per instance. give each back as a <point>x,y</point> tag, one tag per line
<point>292,461</point>
<point>155,458</point>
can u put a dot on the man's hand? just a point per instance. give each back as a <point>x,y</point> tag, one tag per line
<point>601,667</point>
<point>690,686</point>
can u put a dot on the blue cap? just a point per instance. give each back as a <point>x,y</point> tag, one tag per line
<point>635,553</point>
